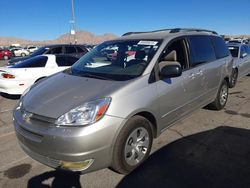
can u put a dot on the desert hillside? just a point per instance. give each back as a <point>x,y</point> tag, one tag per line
<point>83,37</point>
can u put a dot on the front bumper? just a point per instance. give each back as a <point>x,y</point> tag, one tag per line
<point>50,144</point>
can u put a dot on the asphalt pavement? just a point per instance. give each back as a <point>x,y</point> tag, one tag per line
<point>207,149</point>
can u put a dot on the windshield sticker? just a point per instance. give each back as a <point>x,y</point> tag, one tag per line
<point>148,43</point>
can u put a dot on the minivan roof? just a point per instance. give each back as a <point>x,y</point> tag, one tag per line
<point>164,33</point>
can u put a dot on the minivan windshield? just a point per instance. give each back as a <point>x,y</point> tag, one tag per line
<point>116,60</point>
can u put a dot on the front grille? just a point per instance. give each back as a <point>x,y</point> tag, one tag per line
<point>33,116</point>
<point>42,118</point>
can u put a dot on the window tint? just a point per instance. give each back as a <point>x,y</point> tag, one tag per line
<point>179,47</point>
<point>34,62</point>
<point>70,50</point>
<point>63,61</point>
<point>234,50</point>
<point>57,50</point>
<point>220,47</point>
<point>202,50</point>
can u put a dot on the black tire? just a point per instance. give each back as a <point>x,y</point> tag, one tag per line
<point>136,124</point>
<point>5,57</point>
<point>23,54</point>
<point>221,97</point>
<point>234,78</point>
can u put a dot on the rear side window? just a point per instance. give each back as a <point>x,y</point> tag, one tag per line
<point>81,50</point>
<point>70,50</point>
<point>64,61</point>
<point>34,62</point>
<point>56,50</point>
<point>201,49</point>
<point>220,47</point>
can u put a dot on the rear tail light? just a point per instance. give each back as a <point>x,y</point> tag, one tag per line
<point>8,75</point>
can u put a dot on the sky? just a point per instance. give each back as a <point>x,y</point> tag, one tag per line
<point>48,19</point>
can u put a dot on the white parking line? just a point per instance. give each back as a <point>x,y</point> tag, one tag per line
<point>7,134</point>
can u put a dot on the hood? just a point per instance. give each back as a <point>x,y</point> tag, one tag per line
<point>15,60</point>
<point>60,93</point>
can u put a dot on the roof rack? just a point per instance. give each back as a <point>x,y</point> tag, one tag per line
<point>174,30</point>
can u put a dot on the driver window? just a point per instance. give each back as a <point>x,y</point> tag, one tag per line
<point>181,55</point>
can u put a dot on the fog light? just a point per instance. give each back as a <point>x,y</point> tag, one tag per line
<point>76,166</point>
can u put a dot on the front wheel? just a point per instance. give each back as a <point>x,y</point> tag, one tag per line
<point>23,54</point>
<point>133,145</point>
<point>5,57</point>
<point>221,98</point>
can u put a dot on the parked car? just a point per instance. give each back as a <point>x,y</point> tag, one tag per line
<point>241,65</point>
<point>240,41</point>
<point>70,49</point>
<point>5,54</point>
<point>31,49</point>
<point>14,80</point>
<point>20,52</point>
<point>105,113</point>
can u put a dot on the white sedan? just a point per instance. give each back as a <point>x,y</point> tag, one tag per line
<point>14,80</point>
<point>20,52</point>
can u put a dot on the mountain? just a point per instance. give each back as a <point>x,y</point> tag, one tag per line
<point>83,37</point>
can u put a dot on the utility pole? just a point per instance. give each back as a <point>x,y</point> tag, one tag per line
<point>73,22</point>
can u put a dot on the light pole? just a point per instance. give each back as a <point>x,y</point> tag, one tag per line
<point>73,22</point>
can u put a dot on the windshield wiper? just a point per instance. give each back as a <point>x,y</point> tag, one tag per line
<point>94,76</point>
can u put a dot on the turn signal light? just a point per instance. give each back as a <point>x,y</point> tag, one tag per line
<point>7,75</point>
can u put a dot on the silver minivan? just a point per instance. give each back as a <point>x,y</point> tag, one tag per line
<point>106,109</point>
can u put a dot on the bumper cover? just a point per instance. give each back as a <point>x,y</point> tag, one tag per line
<point>50,144</point>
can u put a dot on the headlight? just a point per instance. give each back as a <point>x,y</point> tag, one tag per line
<point>85,114</point>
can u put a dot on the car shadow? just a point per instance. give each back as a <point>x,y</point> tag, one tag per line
<point>215,158</point>
<point>61,179</point>
<point>12,97</point>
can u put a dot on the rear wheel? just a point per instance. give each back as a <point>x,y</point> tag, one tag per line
<point>133,145</point>
<point>221,98</point>
<point>234,78</point>
<point>23,54</point>
<point>5,57</point>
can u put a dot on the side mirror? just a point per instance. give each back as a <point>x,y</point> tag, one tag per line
<point>170,69</point>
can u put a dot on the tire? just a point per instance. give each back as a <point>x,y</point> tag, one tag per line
<point>128,154</point>
<point>23,54</point>
<point>5,57</point>
<point>221,97</point>
<point>234,78</point>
